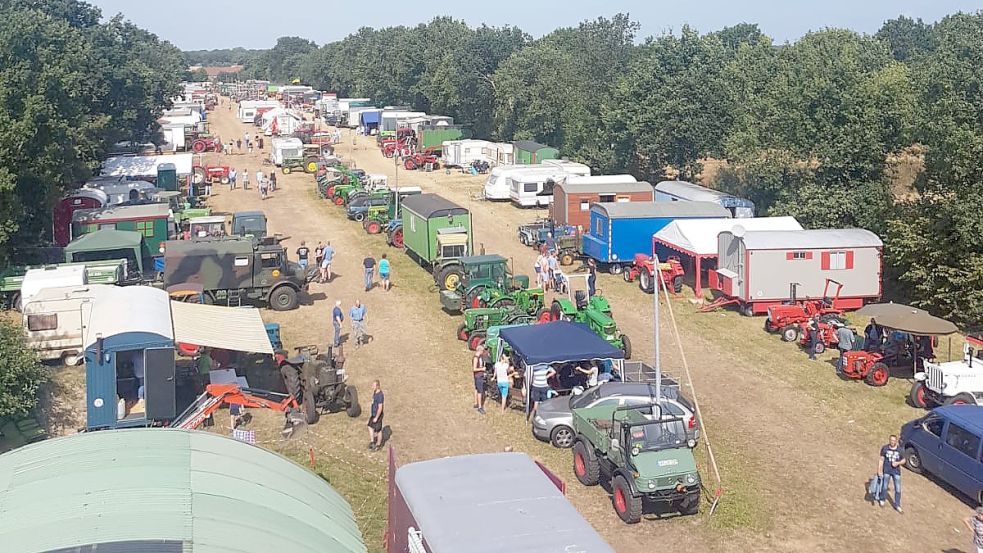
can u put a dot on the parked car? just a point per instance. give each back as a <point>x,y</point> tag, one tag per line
<point>946,444</point>
<point>554,417</point>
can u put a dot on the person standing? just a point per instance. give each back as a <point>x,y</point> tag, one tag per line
<point>261,182</point>
<point>592,279</point>
<point>550,243</point>
<point>357,314</point>
<point>872,336</point>
<point>249,146</point>
<point>813,330</point>
<point>318,258</point>
<point>503,378</point>
<point>245,179</point>
<point>384,272</point>
<point>273,181</point>
<point>478,372</point>
<point>552,267</point>
<point>540,387</point>
<point>369,265</point>
<point>975,525</point>
<point>538,267</point>
<point>889,468</point>
<point>260,176</point>
<point>328,253</point>
<point>239,145</point>
<point>232,178</point>
<point>337,317</point>
<point>302,254</point>
<point>375,416</point>
<point>845,338</point>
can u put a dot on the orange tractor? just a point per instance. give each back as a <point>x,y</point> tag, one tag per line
<point>643,268</point>
<point>420,160</point>
<point>790,317</point>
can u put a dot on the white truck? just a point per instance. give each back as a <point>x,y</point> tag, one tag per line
<point>951,382</point>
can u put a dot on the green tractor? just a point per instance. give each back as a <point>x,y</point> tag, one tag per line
<point>594,311</point>
<point>486,281</point>
<point>477,321</point>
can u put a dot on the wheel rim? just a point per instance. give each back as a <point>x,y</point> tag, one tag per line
<point>563,438</point>
<point>282,300</point>
<point>578,464</point>
<point>373,228</point>
<point>451,281</point>
<point>913,461</point>
<point>544,317</point>
<point>462,334</point>
<point>339,200</point>
<point>619,500</point>
<point>880,375</point>
<point>398,239</point>
<point>475,302</point>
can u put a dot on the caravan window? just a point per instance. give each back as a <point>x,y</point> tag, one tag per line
<point>584,206</point>
<point>530,187</point>
<point>837,261</point>
<point>42,322</point>
<point>606,198</point>
<point>145,228</point>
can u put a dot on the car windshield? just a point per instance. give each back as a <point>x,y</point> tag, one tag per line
<point>669,434</point>
<point>586,398</point>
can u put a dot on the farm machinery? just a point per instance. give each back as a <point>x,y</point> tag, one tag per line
<point>644,270</point>
<point>420,160</point>
<point>477,321</point>
<point>594,311</point>
<point>788,318</point>
<point>218,395</point>
<point>825,335</point>
<point>486,281</point>
<point>318,382</point>
<point>213,174</point>
<point>203,144</point>
<point>953,382</point>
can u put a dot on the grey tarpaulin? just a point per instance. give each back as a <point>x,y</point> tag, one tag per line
<point>908,319</point>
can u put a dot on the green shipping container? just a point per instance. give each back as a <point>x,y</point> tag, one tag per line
<point>528,152</point>
<point>152,221</point>
<point>424,216</point>
<point>433,137</point>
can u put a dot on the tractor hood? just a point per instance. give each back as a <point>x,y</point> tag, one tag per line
<point>665,468</point>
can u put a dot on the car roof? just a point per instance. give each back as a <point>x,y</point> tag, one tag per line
<point>969,416</point>
<point>639,389</point>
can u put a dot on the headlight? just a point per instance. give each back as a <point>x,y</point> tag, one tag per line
<point>539,420</point>
<point>691,443</point>
<point>690,480</point>
<point>651,484</point>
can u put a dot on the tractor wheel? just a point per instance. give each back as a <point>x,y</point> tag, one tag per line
<point>917,395</point>
<point>878,375</point>
<point>961,399</point>
<point>329,192</point>
<point>562,436</point>
<point>409,164</point>
<point>474,341</point>
<point>626,346</point>
<point>397,238</point>
<point>769,328</point>
<point>556,312</point>
<point>566,259</point>
<point>645,281</point>
<point>585,465</point>
<point>473,298</point>
<point>286,170</point>
<point>449,277</point>
<point>309,407</point>
<point>462,332</point>
<point>198,146</point>
<point>615,268</point>
<point>747,310</point>
<point>310,166</point>
<point>224,180</point>
<point>820,347</point>
<point>626,504</point>
<point>544,316</point>
<point>690,505</point>
<point>677,287</point>
<point>339,200</point>
<point>291,381</point>
<point>626,275</point>
<point>352,408</point>
<point>359,217</point>
<point>913,461</point>
<point>198,176</point>
<point>373,227</point>
<point>791,334</point>
<point>283,298</point>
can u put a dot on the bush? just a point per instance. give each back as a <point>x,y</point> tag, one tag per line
<point>21,374</point>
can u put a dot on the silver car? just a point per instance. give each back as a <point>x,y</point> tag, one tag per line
<point>554,420</point>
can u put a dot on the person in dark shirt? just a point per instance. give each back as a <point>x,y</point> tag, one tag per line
<point>369,264</point>
<point>375,417</point>
<point>873,334</point>
<point>302,254</point>
<point>336,319</point>
<point>889,468</point>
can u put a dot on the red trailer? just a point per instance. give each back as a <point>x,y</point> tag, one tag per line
<point>83,198</point>
<point>573,196</point>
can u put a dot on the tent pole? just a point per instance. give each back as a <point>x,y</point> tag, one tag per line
<point>655,307</point>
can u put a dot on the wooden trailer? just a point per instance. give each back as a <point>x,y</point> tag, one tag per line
<point>573,196</point>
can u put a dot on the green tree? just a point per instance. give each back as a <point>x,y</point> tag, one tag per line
<point>907,38</point>
<point>21,374</point>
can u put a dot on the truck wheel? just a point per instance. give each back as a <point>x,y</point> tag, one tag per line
<point>690,505</point>
<point>585,465</point>
<point>359,217</point>
<point>961,399</point>
<point>626,346</point>
<point>566,259</point>
<point>615,268</point>
<point>677,287</point>
<point>352,408</point>
<point>626,504</point>
<point>747,310</point>
<point>913,461</point>
<point>878,375</point>
<point>917,395</point>
<point>283,298</point>
<point>462,332</point>
<point>645,281</point>
<point>309,407</point>
<point>562,436</point>
<point>71,359</point>
<point>791,334</point>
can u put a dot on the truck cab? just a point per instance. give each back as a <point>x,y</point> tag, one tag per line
<point>952,382</point>
<point>249,223</point>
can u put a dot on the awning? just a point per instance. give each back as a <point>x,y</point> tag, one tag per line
<point>558,341</point>
<point>232,328</point>
<point>908,319</point>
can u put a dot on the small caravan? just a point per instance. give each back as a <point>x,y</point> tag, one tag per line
<point>498,186</point>
<point>55,320</point>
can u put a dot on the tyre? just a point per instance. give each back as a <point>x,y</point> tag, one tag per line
<point>359,217</point>
<point>286,170</point>
<point>449,277</point>
<point>224,180</point>
<point>768,326</point>
<point>913,461</point>
<point>283,298</point>
<point>562,436</point>
<point>615,268</point>
<point>409,164</point>
<point>556,312</point>
<point>309,407</point>
<point>291,381</point>
<point>352,408</point>
<point>917,395</point>
<point>585,465</point>
<point>791,334</point>
<point>626,346</point>
<point>373,227</point>
<point>878,375</point>
<point>544,316</point>
<point>329,192</point>
<point>71,359</point>
<point>626,275</point>
<point>645,281</point>
<point>474,340</point>
<point>677,287</point>
<point>961,399</point>
<point>397,238</point>
<point>566,259</point>
<point>626,504</point>
<point>310,166</point>
<point>820,347</point>
<point>339,200</point>
<point>690,505</point>
<point>747,310</point>
<point>462,332</point>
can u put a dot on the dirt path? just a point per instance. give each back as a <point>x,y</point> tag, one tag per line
<point>796,464</point>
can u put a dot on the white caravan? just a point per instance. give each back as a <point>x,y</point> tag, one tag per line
<point>462,153</point>
<point>55,321</point>
<point>499,183</point>
<point>285,148</point>
<point>53,276</point>
<point>248,108</point>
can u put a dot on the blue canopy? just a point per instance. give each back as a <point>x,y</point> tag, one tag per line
<point>557,342</point>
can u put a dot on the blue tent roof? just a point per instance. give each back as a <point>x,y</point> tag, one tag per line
<point>368,117</point>
<point>556,342</point>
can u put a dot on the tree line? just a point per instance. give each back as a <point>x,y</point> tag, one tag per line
<point>819,128</point>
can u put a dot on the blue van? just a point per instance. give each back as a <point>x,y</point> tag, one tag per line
<point>946,443</point>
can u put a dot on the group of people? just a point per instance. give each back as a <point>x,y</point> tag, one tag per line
<point>247,141</point>
<point>358,316</point>
<point>265,183</point>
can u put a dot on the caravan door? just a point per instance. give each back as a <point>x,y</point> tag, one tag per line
<point>159,384</point>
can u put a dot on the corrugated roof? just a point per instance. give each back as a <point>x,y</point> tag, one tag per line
<point>623,210</point>
<point>809,239</point>
<point>208,492</point>
<point>145,166</point>
<point>456,500</point>
<point>603,187</point>
<point>431,205</point>
<point>139,211</point>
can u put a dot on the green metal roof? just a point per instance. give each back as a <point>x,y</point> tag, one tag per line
<point>210,493</point>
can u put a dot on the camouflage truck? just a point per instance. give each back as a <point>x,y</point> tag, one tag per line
<point>231,269</point>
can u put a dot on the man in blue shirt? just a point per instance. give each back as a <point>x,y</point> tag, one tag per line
<point>336,319</point>
<point>889,468</point>
<point>357,314</point>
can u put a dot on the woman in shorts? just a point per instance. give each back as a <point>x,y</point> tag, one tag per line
<point>384,272</point>
<point>503,377</point>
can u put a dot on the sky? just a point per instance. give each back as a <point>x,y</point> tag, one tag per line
<point>197,24</point>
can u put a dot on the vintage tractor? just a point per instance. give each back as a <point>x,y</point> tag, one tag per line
<point>869,366</point>
<point>952,382</point>
<point>394,233</point>
<point>594,311</point>
<point>826,335</point>
<point>206,144</point>
<point>489,275</point>
<point>531,301</point>
<point>788,318</point>
<point>420,160</point>
<point>318,382</point>
<point>643,268</point>
<point>474,329</point>
<point>213,174</point>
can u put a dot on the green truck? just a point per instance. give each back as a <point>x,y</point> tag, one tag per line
<point>153,221</point>
<point>435,232</point>
<point>644,453</point>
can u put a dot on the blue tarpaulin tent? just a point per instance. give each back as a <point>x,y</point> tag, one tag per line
<point>557,342</point>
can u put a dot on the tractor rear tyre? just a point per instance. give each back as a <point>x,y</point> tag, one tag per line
<point>309,407</point>
<point>291,381</point>
<point>917,395</point>
<point>878,375</point>
<point>352,408</point>
<point>283,298</point>
<point>373,227</point>
<point>474,340</point>
<point>585,465</point>
<point>198,146</point>
<point>449,277</point>
<point>409,164</point>
<point>626,504</point>
<point>820,347</point>
<point>462,332</point>
<point>310,165</point>
<point>566,259</point>
<point>224,180</point>
<point>645,281</point>
<point>677,287</point>
<point>791,334</point>
<point>961,399</point>
<point>626,346</point>
<point>397,238</point>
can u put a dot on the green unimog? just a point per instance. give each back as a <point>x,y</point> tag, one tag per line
<point>643,452</point>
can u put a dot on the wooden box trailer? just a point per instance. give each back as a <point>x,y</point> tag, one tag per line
<point>153,221</point>
<point>573,196</point>
<point>757,269</point>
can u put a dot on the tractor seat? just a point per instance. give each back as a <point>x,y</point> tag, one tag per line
<point>581,298</point>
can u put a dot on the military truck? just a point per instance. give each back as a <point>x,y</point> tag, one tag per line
<point>435,232</point>
<point>249,223</point>
<point>231,269</point>
<point>644,454</point>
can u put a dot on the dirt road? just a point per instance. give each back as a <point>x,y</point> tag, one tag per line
<point>795,447</point>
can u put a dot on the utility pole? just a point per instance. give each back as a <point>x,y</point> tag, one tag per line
<point>656,285</point>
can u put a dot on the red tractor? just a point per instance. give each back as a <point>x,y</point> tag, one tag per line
<point>418,160</point>
<point>643,268</point>
<point>788,318</point>
<point>213,174</point>
<point>868,366</point>
<point>826,335</point>
<point>202,145</point>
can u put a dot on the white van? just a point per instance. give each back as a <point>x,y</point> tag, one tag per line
<point>36,280</point>
<point>286,148</point>
<point>55,321</point>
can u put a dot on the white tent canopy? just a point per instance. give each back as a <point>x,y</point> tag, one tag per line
<point>129,309</point>
<point>237,329</point>
<point>145,166</point>
<point>698,237</point>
